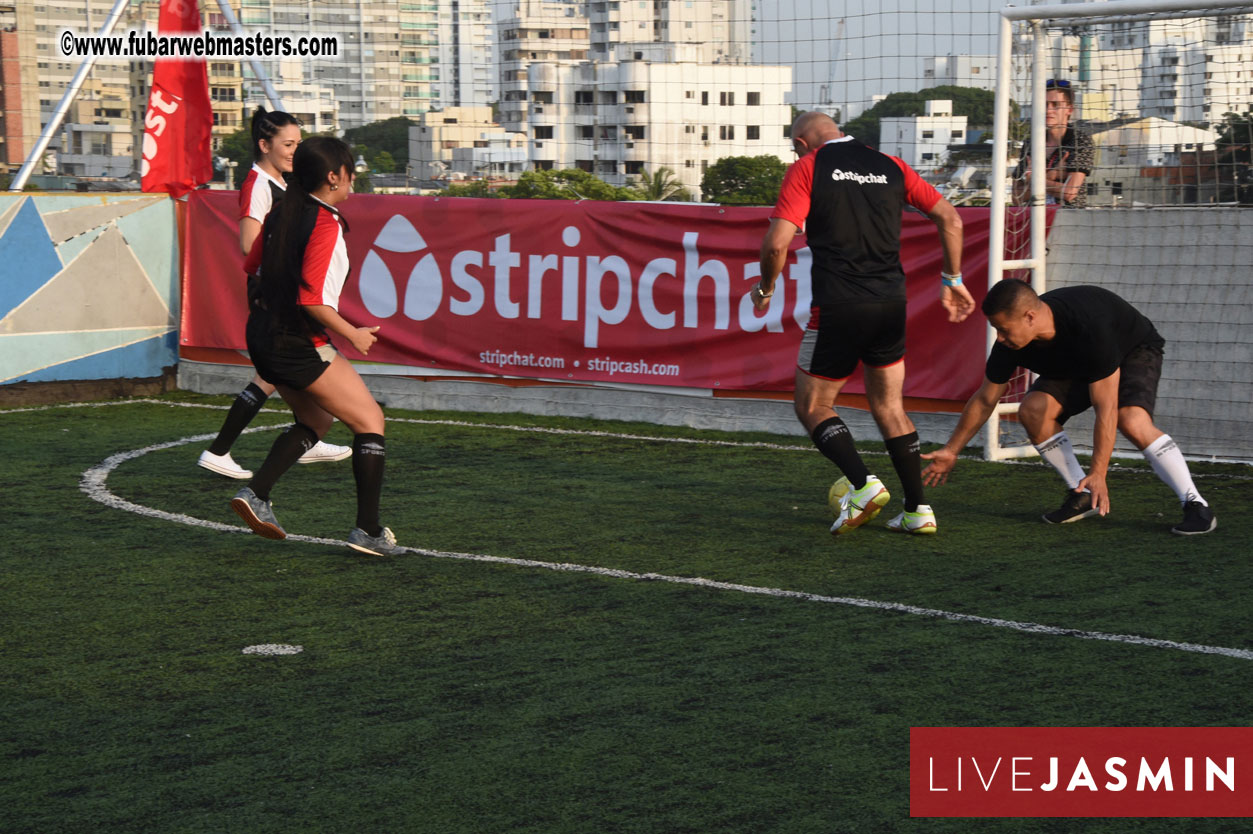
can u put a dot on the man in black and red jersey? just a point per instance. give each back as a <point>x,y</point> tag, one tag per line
<point>848,199</point>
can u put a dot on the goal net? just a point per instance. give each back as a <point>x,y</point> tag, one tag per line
<point>1148,193</point>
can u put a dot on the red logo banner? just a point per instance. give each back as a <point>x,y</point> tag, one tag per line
<point>179,121</point>
<point>590,291</point>
<point>1080,771</point>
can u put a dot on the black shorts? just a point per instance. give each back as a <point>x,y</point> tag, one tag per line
<point>1137,384</point>
<point>285,357</point>
<point>841,335</point>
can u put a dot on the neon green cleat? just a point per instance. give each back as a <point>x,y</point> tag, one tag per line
<point>920,522</point>
<point>860,505</point>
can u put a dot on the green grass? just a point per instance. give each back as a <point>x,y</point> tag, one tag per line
<point>443,695</point>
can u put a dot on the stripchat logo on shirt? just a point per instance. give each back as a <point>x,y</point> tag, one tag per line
<point>861,179</point>
<point>1081,772</point>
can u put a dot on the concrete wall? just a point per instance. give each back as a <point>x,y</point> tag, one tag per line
<point>702,411</point>
<point>89,287</point>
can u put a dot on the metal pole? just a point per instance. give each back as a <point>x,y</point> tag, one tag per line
<point>276,103</point>
<point>1039,159</point>
<point>1119,8</point>
<point>54,123</point>
<point>1000,159</point>
<point>1000,172</point>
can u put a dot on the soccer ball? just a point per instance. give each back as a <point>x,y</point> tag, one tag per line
<point>837,491</point>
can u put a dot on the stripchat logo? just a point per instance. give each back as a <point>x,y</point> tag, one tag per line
<point>526,279</point>
<point>1081,771</point>
<point>861,179</point>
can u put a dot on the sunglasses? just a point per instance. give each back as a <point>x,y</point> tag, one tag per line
<point>1056,82</point>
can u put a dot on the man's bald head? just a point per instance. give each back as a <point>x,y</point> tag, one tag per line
<point>813,129</point>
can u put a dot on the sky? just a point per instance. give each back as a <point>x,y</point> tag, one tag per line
<point>881,43</point>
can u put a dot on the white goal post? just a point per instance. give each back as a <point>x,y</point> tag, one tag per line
<point>1039,19</point>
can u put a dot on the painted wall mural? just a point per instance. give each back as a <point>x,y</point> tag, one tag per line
<point>88,286</point>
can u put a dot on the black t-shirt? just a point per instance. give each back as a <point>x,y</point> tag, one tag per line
<point>1096,330</point>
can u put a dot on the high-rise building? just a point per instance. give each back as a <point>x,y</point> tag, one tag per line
<point>1183,70</point>
<point>466,64</point>
<point>98,135</point>
<point>636,86</point>
<point>19,114</point>
<point>376,38</point>
<point>552,32</point>
<point>960,71</point>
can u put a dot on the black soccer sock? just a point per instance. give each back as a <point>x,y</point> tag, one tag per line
<point>286,450</point>
<point>834,440</point>
<point>904,453</point>
<point>245,407</point>
<point>369,455</point>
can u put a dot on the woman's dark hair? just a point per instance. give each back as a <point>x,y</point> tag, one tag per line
<point>286,229</point>
<point>265,124</point>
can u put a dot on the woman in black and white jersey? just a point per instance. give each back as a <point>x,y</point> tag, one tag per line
<point>302,262</point>
<point>275,136</point>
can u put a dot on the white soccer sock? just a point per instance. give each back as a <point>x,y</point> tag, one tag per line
<point>1058,453</point>
<point>1167,461</point>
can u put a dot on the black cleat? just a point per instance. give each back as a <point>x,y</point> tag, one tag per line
<point>1078,505</point>
<point>1198,519</point>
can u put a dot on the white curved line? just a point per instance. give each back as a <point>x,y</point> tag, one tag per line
<point>93,483</point>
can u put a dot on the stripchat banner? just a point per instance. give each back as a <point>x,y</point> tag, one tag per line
<point>642,293</point>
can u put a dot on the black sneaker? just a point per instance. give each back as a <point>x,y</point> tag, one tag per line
<point>1077,505</point>
<point>1197,519</point>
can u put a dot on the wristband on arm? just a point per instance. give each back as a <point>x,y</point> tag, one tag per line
<point>950,280</point>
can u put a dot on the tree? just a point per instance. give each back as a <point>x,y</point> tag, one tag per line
<point>471,189</point>
<point>390,136</point>
<point>1235,138</point>
<point>976,105</point>
<point>662,184</point>
<point>238,148</point>
<point>383,163</point>
<point>569,184</point>
<point>744,180</point>
<point>1234,155</point>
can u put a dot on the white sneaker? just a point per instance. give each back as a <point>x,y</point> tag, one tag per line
<point>920,521</point>
<point>860,505</point>
<point>223,465</point>
<point>325,453</point>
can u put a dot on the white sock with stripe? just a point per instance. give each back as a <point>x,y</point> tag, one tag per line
<point>1058,453</point>
<point>1167,461</point>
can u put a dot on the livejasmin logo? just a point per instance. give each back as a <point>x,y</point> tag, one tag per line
<point>514,281</point>
<point>1080,771</point>
<point>1023,775</point>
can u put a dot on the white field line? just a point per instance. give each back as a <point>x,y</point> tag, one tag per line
<point>93,483</point>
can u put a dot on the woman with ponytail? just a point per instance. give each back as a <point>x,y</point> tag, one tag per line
<point>302,262</point>
<point>275,136</point>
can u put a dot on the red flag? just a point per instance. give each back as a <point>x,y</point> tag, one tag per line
<point>179,121</point>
